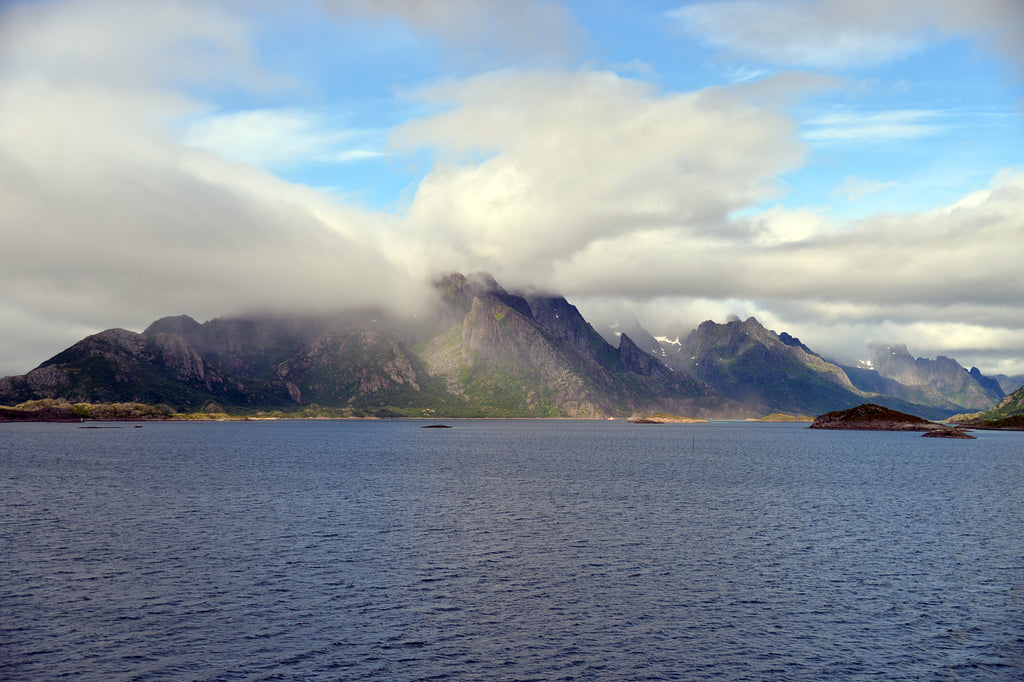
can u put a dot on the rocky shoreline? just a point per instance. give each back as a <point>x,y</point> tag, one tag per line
<point>871,417</point>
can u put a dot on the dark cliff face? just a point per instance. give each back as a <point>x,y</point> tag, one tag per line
<point>633,359</point>
<point>989,384</point>
<point>790,340</point>
<point>562,319</point>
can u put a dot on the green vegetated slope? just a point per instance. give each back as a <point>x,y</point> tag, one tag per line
<point>1007,414</point>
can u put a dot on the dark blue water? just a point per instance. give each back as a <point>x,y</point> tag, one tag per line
<point>508,550</point>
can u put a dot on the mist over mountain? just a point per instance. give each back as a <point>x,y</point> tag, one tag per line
<point>941,382</point>
<point>478,349</point>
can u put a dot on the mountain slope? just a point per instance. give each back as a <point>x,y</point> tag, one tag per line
<point>941,382</point>
<point>1008,413</point>
<point>480,352</point>
<point>117,365</point>
<point>750,364</point>
<point>502,357</point>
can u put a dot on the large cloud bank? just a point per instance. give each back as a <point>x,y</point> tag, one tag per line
<point>578,181</point>
<point>110,220</point>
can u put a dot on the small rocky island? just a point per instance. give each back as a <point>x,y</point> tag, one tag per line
<point>871,417</point>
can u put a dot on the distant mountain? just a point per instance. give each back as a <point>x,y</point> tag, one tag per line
<point>1009,384</point>
<point>941,383</point>
<point>776,372</point>
<point>763,370</point>
<point>480,352</point>
<point>117,365</point>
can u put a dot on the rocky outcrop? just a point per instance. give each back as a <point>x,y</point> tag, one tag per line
<point>950,432</point>
<point>871,417</point>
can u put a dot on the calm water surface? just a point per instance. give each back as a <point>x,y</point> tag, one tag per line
<point>510,550</point>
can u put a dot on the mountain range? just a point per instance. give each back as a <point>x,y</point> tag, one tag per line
<point>479,351</point>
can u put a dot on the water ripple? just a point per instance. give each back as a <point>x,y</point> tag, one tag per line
<point>508,550</point>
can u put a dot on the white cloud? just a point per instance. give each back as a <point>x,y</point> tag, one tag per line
<point>889,277</point>
<point>854,188</point>
<point>536,167</point>
<point>109,221</point>
<point>525,30</point>
<point>843,33</point>
<point>355,155</point>
<point>827,34</point>
<point>966,253</point>
<point>122,44</point>
<point>861,126</point>
<point>274,138</point>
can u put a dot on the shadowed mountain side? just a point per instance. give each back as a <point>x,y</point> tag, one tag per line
<point>1009,384</point>
<point>562,319</point>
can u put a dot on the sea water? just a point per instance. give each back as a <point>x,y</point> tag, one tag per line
<point>508,550</point>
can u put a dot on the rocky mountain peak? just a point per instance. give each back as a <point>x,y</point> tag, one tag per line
<point>183,325</point>
<point>635,360</point>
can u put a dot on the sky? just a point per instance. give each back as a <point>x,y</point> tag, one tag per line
<point>848,171</point>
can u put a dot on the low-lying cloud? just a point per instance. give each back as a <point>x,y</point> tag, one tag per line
<point>110,220</point>
<point>581,182</point>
